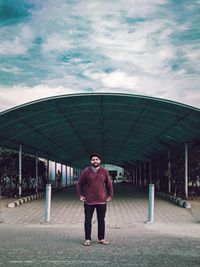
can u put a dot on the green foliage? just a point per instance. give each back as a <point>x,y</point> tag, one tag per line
<point>160,173</point>
<point>9,173</point>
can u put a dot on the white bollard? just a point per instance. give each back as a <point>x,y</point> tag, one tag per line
<point>48,203</point>
<point>151,203</point>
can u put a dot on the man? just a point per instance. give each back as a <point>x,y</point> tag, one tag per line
<point>58,179</point>
<point>95,189</point>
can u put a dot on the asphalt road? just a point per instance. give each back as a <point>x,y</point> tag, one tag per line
<point>62,246</point>
<point>172,240</point>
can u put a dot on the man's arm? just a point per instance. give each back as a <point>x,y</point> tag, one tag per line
<point>109,186</point>
<point>79,187</point>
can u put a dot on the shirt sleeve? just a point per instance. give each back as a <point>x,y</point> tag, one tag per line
<point>80,184</point>
<point>109,184</point>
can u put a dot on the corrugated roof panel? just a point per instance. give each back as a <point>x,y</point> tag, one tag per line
<point>123,128</point>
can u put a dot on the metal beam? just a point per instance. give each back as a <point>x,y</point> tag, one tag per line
<point>186,170</point>
<point>169,171</point>
<point>20,170</point>
<point>36,174</point>
<point>150,172</point>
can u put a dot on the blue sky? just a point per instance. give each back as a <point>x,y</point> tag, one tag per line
<point>146,47</point>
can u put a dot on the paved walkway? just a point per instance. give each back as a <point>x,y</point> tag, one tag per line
<point>129,207</point>
<point>172,240</point>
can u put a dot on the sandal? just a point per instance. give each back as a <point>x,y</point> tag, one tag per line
<point>87,242</point>
<point>104,242</point>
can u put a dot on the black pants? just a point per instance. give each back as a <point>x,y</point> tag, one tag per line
<point>101,212</point>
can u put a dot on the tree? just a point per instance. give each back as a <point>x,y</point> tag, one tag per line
<point>9,173</point>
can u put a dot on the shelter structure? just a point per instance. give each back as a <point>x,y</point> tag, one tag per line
<point>123,128</point>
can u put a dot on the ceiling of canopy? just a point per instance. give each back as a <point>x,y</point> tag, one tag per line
<point>122,128</point>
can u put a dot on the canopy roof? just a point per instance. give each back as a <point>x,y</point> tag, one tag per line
<point>122,128</point>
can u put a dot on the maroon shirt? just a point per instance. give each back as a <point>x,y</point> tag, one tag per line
<point>95,186</point>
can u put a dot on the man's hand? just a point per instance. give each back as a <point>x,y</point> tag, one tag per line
<point>108,199</point>
<point>82,198</point>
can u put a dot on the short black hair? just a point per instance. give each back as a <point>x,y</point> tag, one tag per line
<point>95,155</point>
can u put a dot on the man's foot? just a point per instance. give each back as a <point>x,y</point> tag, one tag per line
<point>87,242</point>
<point>104,242</point>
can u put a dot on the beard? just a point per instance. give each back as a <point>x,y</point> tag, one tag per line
<point>95,164</point>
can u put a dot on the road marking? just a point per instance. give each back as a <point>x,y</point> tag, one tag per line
<point>56,261</point>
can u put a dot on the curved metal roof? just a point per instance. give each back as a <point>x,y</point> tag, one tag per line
<point>122,128</point>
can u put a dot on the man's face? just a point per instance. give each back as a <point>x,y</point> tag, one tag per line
<point>95,161</point>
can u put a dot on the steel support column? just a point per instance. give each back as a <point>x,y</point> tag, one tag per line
<point>71,176</point>
<point>20,170</point>
<point>150,173</point>
<point>47,172</point>
<point>61,182</point>
<point>55,170</point>
<point>136,174</point>
<point>145,174</point>
<point>158,172</point>
<point>169,171</point>
<point>67,176</point>
<point>1,220</point>
<point>133,175</point>
<point>186,170</point>
<point>140,170</point>
<point>36,174</point>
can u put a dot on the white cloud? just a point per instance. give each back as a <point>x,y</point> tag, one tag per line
<point>56,43</point>
<point>26,34</point>
<point>97,9</point>
<point>17,95</point>
<point>141,48</point>
<point>192,55</point>
<point>175,87</point>
<point>115,80</point>
<point>13,70</point>
<point>14,47</point>
<point>114,46</point>
<point>19,44</point>
<point>120,80</point>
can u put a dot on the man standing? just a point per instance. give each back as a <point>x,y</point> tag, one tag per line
<point>95,189</point>
<point>58,179</point>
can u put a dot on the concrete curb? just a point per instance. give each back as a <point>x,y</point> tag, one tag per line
<point>176,200</point>
<point>25,199</point>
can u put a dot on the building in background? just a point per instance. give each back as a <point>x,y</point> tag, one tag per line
<point>116,172</point>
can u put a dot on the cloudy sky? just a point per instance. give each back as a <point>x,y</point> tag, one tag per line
<point>145,47</point>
